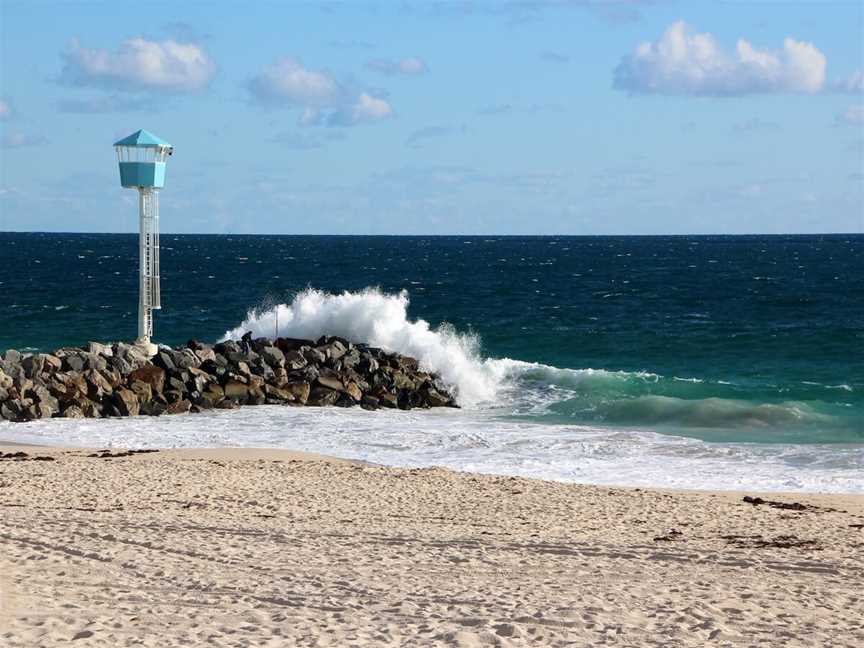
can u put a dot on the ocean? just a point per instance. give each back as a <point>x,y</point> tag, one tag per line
<point>722,362</point>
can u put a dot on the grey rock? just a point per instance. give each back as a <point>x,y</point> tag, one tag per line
<point>295,360</point>
<point>73,363</point>
<point>99,349</point>
<point>322,396</point>
<point>313,355</point>
<point>333,350</point>
<point>272,356</point>
<point>95,361</point>
<point>74,412</point>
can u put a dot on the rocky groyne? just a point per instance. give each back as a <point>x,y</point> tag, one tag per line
<point>100,380</point>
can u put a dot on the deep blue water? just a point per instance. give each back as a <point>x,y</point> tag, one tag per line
<point>754,338</point>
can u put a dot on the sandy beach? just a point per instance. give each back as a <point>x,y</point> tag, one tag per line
<point>273,548</point>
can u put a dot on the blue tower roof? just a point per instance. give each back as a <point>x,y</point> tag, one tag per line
<point>142,138</point>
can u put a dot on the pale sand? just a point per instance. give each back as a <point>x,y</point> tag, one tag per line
<point>271,548</point>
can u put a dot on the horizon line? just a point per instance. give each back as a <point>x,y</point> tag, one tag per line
<point>657,235</point>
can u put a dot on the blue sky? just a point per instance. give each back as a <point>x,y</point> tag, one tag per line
<point>528,117</point>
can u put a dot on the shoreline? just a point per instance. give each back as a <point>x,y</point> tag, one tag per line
<point>288,454</point>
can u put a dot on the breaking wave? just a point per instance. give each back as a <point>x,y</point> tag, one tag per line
<point>550,394</point>
<point>381,320</point>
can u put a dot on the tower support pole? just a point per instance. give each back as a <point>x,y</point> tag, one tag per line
<point>149,297</point>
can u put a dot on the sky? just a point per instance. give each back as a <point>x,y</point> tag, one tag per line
<point>428,118</point>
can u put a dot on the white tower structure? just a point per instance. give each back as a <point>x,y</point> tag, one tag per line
<point>142,157</point>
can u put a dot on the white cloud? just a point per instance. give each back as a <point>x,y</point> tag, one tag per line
<point>139,64</point>
<point>853,84</point>
<point>288,82</point>
<point>323,99</point>
<point>368,107</point>
<point>5,109</point>
<point>411,66</point>
<point>852,116</point>
<point>686,63</point>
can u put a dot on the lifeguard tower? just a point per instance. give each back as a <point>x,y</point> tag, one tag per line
<point>142,157</point>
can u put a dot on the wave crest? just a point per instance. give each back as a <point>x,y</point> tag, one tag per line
<point>381,320</point>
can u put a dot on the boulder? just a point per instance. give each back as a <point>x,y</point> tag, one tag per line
<point>153,408</point>
<point>176,383</point>
<point>272,356</point>
<point>330,380</point>
<point>204,354</point>
<point>132,354</point>
<point>299,390</point>
<point>354,391</point>
<point>368,364</point>
<point>215,392</point>
<point>73,411</point>
<point>126,402</point>
<point>322,396</point>
<point>369,402</point>
<point>313,356</point>
<point>32,365</point>
<point>150,374</point>
<point>172,396</point>
<point>306,374</point>
<point>236,391</point>
<point>90,409</point>
<point>165,360</point>
<point>292,344</point>
<point>333,350</point>
<point>258,344</point>
<point>11,410</point>
<point>204,402</point>
<point>44,398</point>
<point>256,396</point>
<point>434,398</point>
<point>95,361</point>
<point>402,381</point>
<point>97,385</point>
<point>295,360</point>
<point>274,393</point>
<point>186,358</point>
<point>388,400</point>
<point>178,407</point>
<point>21,382</point>
<point>407,363</point>
<point>142,390</point>
<point>68,387</point>
<point>99,349</point>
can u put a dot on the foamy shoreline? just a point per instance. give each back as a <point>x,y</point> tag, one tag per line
<point>234,547</point>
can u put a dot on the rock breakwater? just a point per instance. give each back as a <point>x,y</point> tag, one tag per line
<point>100,380</point>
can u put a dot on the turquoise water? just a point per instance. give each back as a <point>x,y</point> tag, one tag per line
<point>729,340</point>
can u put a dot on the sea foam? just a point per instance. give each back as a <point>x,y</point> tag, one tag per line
<point>381,320</point>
